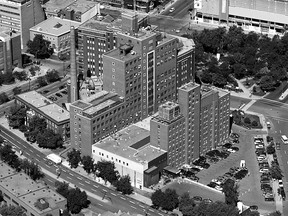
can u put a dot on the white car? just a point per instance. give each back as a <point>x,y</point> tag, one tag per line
<point>231,150</point>
<point>264,170</point>
<point>218,188</point>
<point>280,183</point>
<point>172,9</point>
<point>259,146</point>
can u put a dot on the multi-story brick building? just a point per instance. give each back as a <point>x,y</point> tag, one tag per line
<point>20,16</point>
<point>98,116</point>
<point>10,49</point>
<point>57,31</point>
<point>56,117</point>
<point>34,198</point>
<point>198,124</point>
<point>97,36</point>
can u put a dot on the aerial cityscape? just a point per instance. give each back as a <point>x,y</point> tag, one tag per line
<point>143,107</point>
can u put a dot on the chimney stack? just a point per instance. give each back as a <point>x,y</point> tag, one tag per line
<point>73,83</point>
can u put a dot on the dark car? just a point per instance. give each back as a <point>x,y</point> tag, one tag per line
<point>265,186</point>
<point>58,95</point>
<point>45,91</point>
<point>212,184</point>
<point>64,92</point>
<point>227,145</point>
<point>206,165</point>
<point>61,87</point>
<point>235,148</point>
<point>195,170</point>
<point>265,181</point>
<point>214,160</point>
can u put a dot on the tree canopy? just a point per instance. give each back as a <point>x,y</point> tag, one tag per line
<point>124,185</point>
<point>52,76</point>
<point>88,163</point>
<point>106,171</point>
<point>168,199</point>
<point>12,210</point>
<point>39,47</point>
<point>74,158</point>
<point>230,189</point>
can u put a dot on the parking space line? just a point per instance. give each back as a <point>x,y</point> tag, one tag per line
<point>133,207</point>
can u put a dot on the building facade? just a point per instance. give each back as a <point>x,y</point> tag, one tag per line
<point>57,118</point>
<point>57,31</point>
<point>10,50</point>
<point>262,16</point>
<point>132,155</point>
<point>34,198</point>
<point>199,123</point>
<point>20,16</point>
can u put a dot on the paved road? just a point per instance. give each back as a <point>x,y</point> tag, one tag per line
<point>181,9</point>
<point>118,201</point>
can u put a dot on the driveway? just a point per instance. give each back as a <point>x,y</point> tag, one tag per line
<point>249,187</point>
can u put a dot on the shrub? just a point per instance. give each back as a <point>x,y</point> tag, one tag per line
<point>254,123</point>
<point>23,128</point>
<point>247,120</point>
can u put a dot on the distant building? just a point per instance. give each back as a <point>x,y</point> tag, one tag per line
<point>57,31</point>
<point>132,154</point>
<point>20,16</point>
<point>10,50</point>
<point>261,16</point>
<point>34,198</point>
<point>57,118</point>
<point>75,10</point>
<point>198,124</point>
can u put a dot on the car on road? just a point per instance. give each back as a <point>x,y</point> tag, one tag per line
<point>58,95</point>
<point>172,10</point>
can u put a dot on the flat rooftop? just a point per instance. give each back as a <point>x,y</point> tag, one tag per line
<point>187,44</point>
<point>55,26</point>
<point>145,123</point>
<point>56,5</point>
<point>44,105</point>
<point>6,34</point>
<point>47,196</point>
<point>6,170</point>
<point>189,86</point>
<point>20,184</point>
<point>81,5</point>
<point>56,112</point>
<point>133,143</point>
<point>116,54</point>
<point>34,98</point>
<point>99,107</point>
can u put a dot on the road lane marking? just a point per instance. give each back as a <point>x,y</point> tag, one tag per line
<point>280,131</point>
<point>79,178</point>
<point>104,190</point>
<point>96,186</point>
<point>93,189</point>
<point>160,214</point>
<point>64,171</point>
<point>132,202</point>
<point>141,206</point>
<point>285,152</point>
<point>71,174</point>
<point>87,182</point>
<point>27,153</point>
<point>133,207</point>
<point>24,146</point>
<point>122,198</point>
<point>69,177</point>
<point>38,155</point>
<point>37,159</point>
<point>81,183</point>
<point>152,210</point>
<point>100,204</point>
<point>30,150</point>
<point>50,180</point>
<point>113,194</point>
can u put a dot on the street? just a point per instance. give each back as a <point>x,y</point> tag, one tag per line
<point>116,200</point>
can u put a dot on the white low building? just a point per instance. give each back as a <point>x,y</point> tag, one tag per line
<point>133,155</point>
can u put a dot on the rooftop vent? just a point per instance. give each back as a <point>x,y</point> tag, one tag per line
<point>58,25</point>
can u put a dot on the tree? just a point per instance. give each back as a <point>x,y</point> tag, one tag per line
<point>267,83</point>
<point>106,171</point>
<point>17,90</point>
<point>230,189</point>
<point>41,81</point>
<point>215,209</point>
<point>171,200</point>
<point>1,197</point>
<point>186,204</point>
<point>77,200</point>
<point>7,155</point>
<point>8,78</point>
<point>88,163</point>
<point>52,76</point>
<point>157,198</point>
<point>39,47</point>
<point>247,120</point>
<point>206,77</point>
<point>20,75</point>
<point>275,171</point>
<point>17,116</point>
<point>270,149</point>
<point>48,139</point>
<point>37,123</point>
<point>124,185</point>
<point>3,98</point>
<point>277,213</point>
<point>62,188</point>
<point>31,169</point>
<point>254,123</point>
<point>12,211</point>
<point>74,158</point>
<point>239,70</point>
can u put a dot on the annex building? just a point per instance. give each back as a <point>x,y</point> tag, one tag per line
<point>34,198</point>
<point>262,16</point>
<point>57,118</point>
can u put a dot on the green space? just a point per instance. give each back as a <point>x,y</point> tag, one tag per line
<point>196,190</point>
<point>247,120</point>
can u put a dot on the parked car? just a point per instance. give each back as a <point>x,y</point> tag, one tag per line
<point>172,9</point>
<point>61,87</point>
<point>227,145</point>
<point>45,91</point>
<point>212,184</point>
<point>235,148</point>
<point>264,180</point>
<point>280,182</point>
<point>234,135</point>
<point>58,95</point>
<point>264,170</point>
<point>64,92</point>
<point>264,186</point>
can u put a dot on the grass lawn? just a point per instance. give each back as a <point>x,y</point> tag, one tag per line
<point>253,118</point>
<point>195,190</point>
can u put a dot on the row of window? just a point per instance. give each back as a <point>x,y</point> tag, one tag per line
<point>112,158</point>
